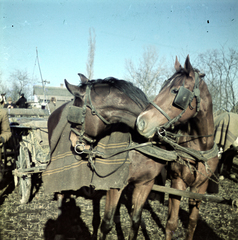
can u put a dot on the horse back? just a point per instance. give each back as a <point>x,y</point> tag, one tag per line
<point>54,119</point>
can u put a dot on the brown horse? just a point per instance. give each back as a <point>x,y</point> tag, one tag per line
<point>184,106</point>
<point>97,105</point>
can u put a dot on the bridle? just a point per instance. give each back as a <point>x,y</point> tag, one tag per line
<point>182,100</point>
<point>76,116</point>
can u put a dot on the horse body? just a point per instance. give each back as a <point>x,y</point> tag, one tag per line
<point>226,138</point>
<point>108,102</point>
<point>194,124</point>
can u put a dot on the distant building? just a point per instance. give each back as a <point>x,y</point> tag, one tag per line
<point>61,94</point>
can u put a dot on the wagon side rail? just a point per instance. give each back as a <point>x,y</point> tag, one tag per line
<point>27,112</point>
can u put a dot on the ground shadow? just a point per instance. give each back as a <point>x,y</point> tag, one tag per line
<point>154,216</point>
<point>126,200</point>
<point>36,182</point>
<point>202,228</point>
<point>6,186</point>
<point>69,225</point>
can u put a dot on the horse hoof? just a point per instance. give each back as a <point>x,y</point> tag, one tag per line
<point>143,226</point>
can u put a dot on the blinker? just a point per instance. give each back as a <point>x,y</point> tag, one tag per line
<point>76,114</point>
<point>183,97</point>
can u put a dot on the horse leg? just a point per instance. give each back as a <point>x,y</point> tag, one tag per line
<point>112,198</point>
<point>173,211</point>
<point>60,198</point>
<point>96,215</point>
<point>140,194</point>
<point>194,211</point>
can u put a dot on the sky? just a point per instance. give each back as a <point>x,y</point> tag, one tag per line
<point>59,30</point>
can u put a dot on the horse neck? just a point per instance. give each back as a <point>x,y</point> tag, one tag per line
<point>121,115</point>
<point>117,108</point>
<point>201,128</point>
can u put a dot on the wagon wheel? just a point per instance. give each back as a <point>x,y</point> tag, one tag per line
<point>2,166</point>
<point>2,170</point>
<point>25,179</point>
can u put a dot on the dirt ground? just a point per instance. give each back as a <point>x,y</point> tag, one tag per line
<point>39,220</point>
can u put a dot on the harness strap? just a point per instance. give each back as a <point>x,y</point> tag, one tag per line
<point>81,121</point>
<point>153,150</point>
<point>93,109</point>
<point>161,110</point>
<point>88,139</point>
<point>199,155</point>
<point>196,92</point>
<point>94,169</point>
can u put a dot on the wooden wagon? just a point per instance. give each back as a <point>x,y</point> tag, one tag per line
<point>28,147</point>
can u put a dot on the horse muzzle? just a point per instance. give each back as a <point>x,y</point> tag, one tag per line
<point>144,129</point>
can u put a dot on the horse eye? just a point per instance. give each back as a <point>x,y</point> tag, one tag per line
<point>174,90</point>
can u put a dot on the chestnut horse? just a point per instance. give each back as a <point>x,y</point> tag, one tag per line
<point>184,106</point>
<point>97,105</point>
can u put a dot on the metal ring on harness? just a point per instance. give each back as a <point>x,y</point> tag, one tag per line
<point>161,133</point>
<point>80,146</point>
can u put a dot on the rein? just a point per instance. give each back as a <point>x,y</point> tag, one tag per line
<point>199,155</point>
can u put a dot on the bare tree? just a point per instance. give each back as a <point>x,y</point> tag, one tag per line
<point>221,69</point>
<point>149,72</point>
<point>3,87</point>
<point>91,53</point>
<point>20,84</point>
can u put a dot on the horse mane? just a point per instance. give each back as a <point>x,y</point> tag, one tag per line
<point>133,92</point>
<point>181,73</point>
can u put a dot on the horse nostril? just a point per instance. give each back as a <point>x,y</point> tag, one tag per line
<point>141,125</point>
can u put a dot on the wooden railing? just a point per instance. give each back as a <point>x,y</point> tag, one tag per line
<point>26,112</point>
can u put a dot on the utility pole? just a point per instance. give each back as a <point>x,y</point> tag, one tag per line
<point>42,81</point>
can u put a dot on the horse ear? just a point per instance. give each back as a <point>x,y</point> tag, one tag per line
<point>74,90</point>
<point>188,67</point>
<point>83,78</point>
<point>177,65</point>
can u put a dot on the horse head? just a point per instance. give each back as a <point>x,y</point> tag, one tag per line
<point>184,97</point>
<point>99,103</point>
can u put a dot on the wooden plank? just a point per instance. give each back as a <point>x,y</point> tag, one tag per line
<point>27,112</point>
<point>203,197</point>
